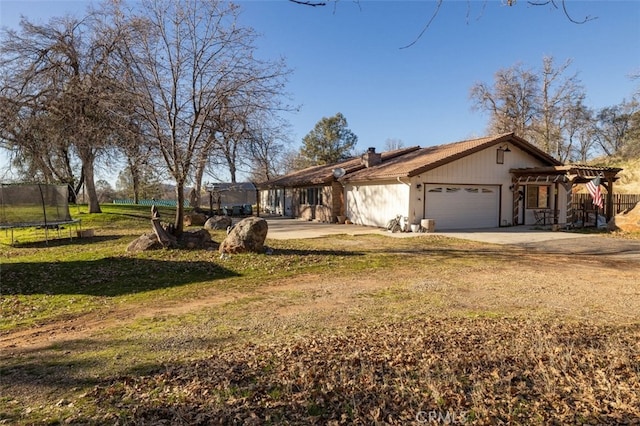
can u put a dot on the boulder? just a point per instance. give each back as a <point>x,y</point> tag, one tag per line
<point>217,222</point>
<point>144,242</point>
<point>200,239</point>
<point>194,219</point>
<point>247,236</point>
<point>628,220</point>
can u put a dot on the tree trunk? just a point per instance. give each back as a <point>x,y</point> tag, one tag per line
<point>202,163</point>
<point>94,205</point>
<point>135,180</point>
<point>167,240</point>
<point>179,222</point>
<point>232,167</point>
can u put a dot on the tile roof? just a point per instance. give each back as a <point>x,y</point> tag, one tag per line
<point>323,174</point>
<point>429,158</point>
<point>404,162</point>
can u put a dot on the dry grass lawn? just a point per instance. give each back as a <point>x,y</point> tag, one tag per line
<point>347,330</point>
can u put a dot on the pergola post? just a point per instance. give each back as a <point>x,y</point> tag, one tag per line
<point>569,176</point>
<point>515,218</point>
<point>609,212</point>
<point>556,200</point>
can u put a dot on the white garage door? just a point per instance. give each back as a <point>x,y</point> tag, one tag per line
<point>462,206</point>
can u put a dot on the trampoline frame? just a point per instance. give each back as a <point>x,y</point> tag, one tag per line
<point>44,224</point>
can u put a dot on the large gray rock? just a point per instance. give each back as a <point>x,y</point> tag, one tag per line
<point>217,222</point>
<point>200,239</point>
<point>144,242</point>
<point>247,236</point>
<point>194,219</point>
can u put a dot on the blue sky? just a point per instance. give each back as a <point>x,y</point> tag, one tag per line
<point>347,57</point>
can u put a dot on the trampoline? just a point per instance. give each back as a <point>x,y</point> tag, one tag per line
<point>44,206</point>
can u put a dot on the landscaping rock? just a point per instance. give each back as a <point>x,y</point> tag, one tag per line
<point>144,242</point>
<point>247,236</point>
<point>200,239</point>
<point>217,222</point>
<point>628,220</point>
<point>195,219</point>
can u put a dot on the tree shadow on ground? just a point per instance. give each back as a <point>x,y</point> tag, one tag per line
<point>60,370</point>
<point>111,276</point>
<point>63,242</point>
<point>316,252</point>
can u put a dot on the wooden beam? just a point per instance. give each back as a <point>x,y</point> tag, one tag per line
<point>556,210</point>
<point>609,213</point>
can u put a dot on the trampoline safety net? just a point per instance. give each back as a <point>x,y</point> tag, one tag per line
<point>24,205</point>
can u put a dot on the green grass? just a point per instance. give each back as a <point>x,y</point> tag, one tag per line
<point>47,281</point>
<point>179,316</point>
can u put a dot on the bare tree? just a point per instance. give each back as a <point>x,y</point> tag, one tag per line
<point>244,127</point>
<point>188,58</point>
<point>391,144</point>
<point>554,4</point>
<point>266,150</point>
<point>580,141</point>
<point>560,109</point>
<point>544,107</point>
<point>61,73</point>
<point>612,127</point>
<point>139,158</point>
<point>34,154</point>
<point>511,101</point>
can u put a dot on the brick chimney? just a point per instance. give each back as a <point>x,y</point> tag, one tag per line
<point>371,158</point>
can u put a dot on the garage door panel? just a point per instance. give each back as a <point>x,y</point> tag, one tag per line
<point>462,206</point>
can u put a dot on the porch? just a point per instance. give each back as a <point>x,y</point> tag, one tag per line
<point>568,178</point>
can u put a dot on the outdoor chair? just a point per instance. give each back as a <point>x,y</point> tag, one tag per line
<point>540,216</point>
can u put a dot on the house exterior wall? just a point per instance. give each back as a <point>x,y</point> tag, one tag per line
<point>271,200</point>
<point>375,203</point>
<point>337,200</point>
<point>480,168</point>
<point>287,202</point>
<point>317,212</point>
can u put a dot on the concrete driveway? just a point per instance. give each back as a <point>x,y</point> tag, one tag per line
<point>520,236</point>
<point>286,228</point>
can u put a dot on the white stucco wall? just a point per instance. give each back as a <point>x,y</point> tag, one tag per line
<point>374,204</point>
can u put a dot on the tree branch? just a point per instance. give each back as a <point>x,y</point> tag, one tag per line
<point>564,9</point>
<point>426,27</point>
<point>309,3</point>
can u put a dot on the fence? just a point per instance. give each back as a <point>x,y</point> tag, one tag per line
<point>159,203</point>
<point>621,202</point>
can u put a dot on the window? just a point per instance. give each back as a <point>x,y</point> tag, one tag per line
<point>538,197</point>
<point>311,196</point>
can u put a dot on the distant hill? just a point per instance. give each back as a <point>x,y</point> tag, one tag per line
<point>629,182</point>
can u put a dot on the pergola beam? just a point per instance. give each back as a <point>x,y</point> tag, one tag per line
<point>570,174</point>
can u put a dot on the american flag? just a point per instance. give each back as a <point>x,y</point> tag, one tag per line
<point>593,186</point>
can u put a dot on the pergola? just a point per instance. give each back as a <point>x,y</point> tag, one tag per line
<point>568,176</point>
